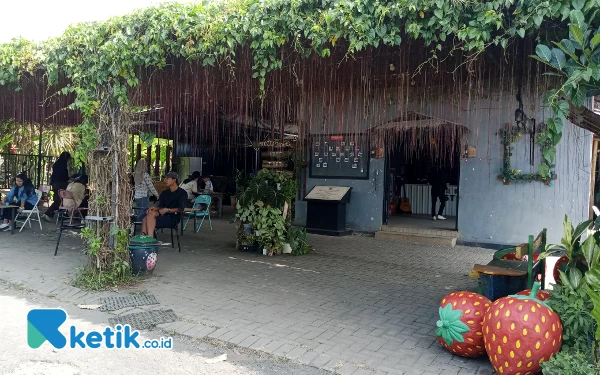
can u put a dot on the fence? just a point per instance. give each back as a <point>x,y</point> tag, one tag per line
<point>13,164</point>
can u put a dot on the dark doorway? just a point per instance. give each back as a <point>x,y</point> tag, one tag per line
<point>408,201</point>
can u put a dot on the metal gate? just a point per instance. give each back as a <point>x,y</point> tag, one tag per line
<point>13,164</point>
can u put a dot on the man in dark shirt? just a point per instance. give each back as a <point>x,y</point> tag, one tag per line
<point>438,179</point>
<point>170,202</point>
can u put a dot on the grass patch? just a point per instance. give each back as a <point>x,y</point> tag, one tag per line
<point>93,280</point>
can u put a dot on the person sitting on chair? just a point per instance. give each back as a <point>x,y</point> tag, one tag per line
<point>190,185</point>
<point>208,186</point>
<point>77,188</point>
<point>23,193</point>
<point>171,201</point>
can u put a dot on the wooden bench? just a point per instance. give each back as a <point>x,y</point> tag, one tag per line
<point>507,274</point>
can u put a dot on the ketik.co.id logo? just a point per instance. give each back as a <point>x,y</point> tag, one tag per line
<point>43,325</point>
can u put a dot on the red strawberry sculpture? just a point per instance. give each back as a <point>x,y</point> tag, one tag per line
<point>561,264</point>
<point>542,295</point>
<point>459,327</point>
<point>521,332</point>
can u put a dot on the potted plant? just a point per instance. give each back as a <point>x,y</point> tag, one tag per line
<point>297,241</point>
<point>270,224</point>
<point>248,243</point>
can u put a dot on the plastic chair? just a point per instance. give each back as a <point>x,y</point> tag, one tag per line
<point>45,189</point>
<point>31,212</point>
<point>63,226</point>
<point>134,215</point>
<point>174,227</point>
<point>66,194</point>
<point>198,202</point>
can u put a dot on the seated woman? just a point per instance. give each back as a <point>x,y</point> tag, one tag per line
<point>77,188</point>
<point>22,194</point>
<point>190,185</point>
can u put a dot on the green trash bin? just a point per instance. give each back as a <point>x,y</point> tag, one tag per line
<point>143,252</point>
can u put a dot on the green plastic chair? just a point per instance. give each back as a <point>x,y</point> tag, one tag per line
<point>198,202</point>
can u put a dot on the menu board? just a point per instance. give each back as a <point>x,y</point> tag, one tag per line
<point>340,156</point>
<point>328,193</point>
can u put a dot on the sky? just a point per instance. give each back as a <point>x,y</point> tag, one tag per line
<point>39,20</point>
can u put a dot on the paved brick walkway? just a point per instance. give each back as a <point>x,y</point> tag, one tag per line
<point>355,305</point>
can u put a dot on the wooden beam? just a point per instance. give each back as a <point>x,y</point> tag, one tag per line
<point>149,159</point>
<point>168,160</point>
<point>138,153</point>
<point>584,118</point>
<point>157,161</point>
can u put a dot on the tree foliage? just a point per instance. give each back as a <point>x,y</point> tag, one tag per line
<point>100,59</point>
<point>576,60</point>
<point>101,53</point>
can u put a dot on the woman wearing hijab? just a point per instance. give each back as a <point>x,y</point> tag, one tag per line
<point>59,181</point>
<point>142,185</point>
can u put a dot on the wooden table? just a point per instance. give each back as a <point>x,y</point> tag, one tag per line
<point>12,216</point>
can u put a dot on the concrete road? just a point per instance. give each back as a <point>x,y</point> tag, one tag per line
<point>187,357</point>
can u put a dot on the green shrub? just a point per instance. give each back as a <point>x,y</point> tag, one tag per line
<point>574,306</point>
<point>568,363</point>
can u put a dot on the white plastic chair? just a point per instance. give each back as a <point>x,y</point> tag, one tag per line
<point>30,213</point>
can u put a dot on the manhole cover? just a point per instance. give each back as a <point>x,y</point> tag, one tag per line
<point>120,302</point>
<point>146,319</point>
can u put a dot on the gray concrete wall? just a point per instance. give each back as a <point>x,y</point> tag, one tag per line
<point>489,212</point>
<point>364,212</point>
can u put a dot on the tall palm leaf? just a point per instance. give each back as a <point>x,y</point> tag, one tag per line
<point>57,139</point>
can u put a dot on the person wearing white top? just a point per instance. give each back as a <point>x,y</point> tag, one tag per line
<point>208,186</point>
<point>190,185</point>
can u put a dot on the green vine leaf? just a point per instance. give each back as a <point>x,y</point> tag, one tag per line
<point>543,170</point>
<point>558,59</point>
<point>578,19</point>
<point>549,155</point>
<point>578,4</point>
<point>577,35</point>
<point>543,52</point>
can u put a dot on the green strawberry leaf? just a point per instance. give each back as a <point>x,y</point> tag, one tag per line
<point>454,314</point>
<point>532,295</point>
<point>460,327</point>
<point>450,328</point>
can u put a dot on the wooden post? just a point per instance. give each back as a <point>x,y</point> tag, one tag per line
<point>138,153</point>
<point>594,170</point>
<point>149,158</point>
<point>168,160</point>
<point>157,161</point>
